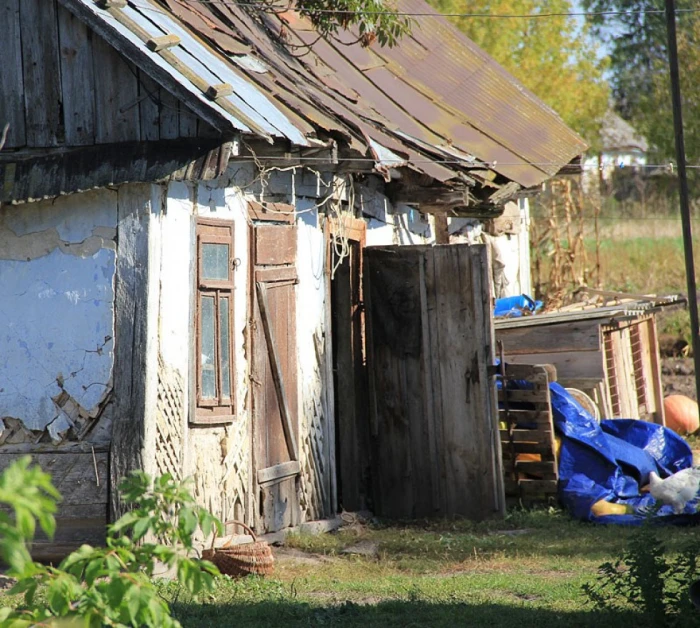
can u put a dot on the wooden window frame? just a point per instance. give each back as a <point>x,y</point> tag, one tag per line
<point>219,409</point>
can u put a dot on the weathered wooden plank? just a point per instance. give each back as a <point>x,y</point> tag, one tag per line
<point>77,79</point>
<point>271,212</point>
<point>35,175</point>
<point>532,467</point>
<point>540,376</point>
<point>42,82</point>
<point>526,436</point>
<point>525,417</point>
<point>536,397</point>
<point>278,274</point>
<point>526,447</point>
<point>393,333</point>
<point>562,337</point>
<point>131,333</point>
<point>157,44</point>
<point>149,108</point>
<point>116,95</point>
<point>466,414</point>
<point>275,244</point>
<point>431,410</point>
<point>277,375</point>
<point>50,448</point>
<point>11,75</point>
<point>187,122</point>
<point>80,478</point>
<point>531,487</point>
<point>348,446</point>
<point>568,365</point>
<point>279,472</point>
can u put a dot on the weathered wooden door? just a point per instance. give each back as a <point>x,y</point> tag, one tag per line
<point>433,409</point>
<point>352,444</point>
<point>274,376</point>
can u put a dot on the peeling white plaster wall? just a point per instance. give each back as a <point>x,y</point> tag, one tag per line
<point>57,264</point>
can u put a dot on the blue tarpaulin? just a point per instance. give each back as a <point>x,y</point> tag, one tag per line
<point>611,461</point>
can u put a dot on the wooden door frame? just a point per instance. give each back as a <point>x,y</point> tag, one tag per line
<point>354,229</point>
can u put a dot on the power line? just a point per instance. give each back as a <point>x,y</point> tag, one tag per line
<point>476,164</point>
<point>271,7</point>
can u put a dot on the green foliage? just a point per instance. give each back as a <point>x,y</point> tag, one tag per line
<point>646,578</point>
<point>373,19</point>
<point>553,56</point>
<point>105,586</point>
<point>639,67</point>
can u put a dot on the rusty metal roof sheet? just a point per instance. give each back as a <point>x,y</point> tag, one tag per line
<point>436,102</point>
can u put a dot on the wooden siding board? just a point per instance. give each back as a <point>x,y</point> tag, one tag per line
<point>169,116</point>
<point>77,79</point>
<point>149,108</point>
<point>42,76</point>
<point>11,76</point>
<point>116,96</point>
<point>188,122</point>
<point>564,337</point>
<point>568,365</point>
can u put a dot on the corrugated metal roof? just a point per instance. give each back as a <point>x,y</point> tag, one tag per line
<point>436,98</point>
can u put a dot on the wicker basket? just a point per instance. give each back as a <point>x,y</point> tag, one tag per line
<point>241,560</point>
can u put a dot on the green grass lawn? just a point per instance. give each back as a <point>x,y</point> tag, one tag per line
<point>525,571</point>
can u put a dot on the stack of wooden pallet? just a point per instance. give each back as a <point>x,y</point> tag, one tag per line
<point>527,433</point>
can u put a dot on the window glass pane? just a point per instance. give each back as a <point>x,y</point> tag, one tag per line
<point>208,348</point>
<point>215,261</point>
<point>224,348</point>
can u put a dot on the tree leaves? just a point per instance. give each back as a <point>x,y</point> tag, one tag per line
<point>111,585</point>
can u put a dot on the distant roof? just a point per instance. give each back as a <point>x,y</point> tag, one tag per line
<point>435,103</point>
<point>618,134</point>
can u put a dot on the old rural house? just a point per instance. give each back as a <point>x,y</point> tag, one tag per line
<point>186,192</point>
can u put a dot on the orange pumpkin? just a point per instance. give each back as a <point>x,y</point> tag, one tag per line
<point>681,414</point>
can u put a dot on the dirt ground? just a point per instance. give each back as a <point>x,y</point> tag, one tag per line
<point>678,376</point>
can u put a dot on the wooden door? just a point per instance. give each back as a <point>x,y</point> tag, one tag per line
<point>433,408</point>
<point>274,376</point>
<point>352,444</point>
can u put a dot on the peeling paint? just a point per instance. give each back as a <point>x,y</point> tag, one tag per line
<point>57,266</point>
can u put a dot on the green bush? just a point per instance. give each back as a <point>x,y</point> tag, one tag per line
<point>101,586</point>
<point>647,579</point>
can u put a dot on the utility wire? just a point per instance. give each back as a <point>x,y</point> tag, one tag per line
<point>263,5</point>
<point>476,164</point>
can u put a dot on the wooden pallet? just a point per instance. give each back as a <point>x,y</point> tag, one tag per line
<point>527,435</point>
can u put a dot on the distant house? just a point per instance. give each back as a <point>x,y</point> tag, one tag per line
<point>621,148</point>
<point>185,197</point>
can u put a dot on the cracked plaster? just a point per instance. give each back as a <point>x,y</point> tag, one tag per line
<point>57,265</point>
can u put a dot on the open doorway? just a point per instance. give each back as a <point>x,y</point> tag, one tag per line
<point>352,441</point>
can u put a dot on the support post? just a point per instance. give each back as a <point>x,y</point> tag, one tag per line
<point>683,186</point>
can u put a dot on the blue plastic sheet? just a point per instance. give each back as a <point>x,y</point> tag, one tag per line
<point>611,461</point>
<point>512,307</point>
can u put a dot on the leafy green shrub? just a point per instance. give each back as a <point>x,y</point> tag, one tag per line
<point>645,578</point>
<point>101,586</point>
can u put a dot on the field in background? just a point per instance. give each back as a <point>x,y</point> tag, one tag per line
<point>639,256</point>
